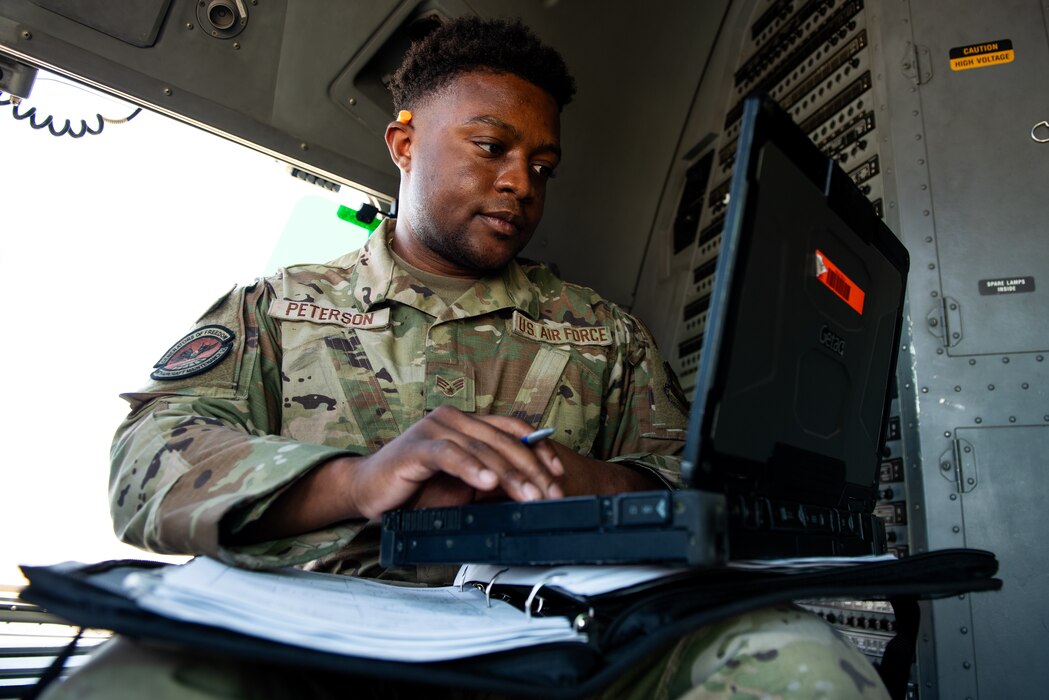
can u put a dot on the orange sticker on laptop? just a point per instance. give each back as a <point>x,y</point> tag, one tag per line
<point>839,283</point>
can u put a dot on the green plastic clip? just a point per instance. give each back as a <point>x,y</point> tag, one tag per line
<point>351,215</point>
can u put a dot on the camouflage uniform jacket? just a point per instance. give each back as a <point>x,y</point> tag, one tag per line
<point>337,359</point>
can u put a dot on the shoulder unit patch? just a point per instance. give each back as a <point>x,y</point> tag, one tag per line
<point>195,353</point>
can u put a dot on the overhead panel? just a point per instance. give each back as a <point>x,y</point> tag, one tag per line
<point>257,72</point>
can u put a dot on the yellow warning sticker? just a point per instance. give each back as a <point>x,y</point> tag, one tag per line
<point>990,53</point>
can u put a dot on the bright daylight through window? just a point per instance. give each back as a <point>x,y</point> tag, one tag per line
<point>112,245</point>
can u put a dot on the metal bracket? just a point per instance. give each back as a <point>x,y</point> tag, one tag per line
<point>945,321</point>
<point>917,63</point>
<point>958,465</point>
<point>16,79</point>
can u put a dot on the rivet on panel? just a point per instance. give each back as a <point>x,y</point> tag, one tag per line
<point>932,266</point>
<point>946,433</point>
<point>956,529</point>
<point>990,387</point>
<point>1005,360</point>
<point>957,388</point>
<point>1012,419</point>
<point>972,362</point>
<point>1025,386</point>
<point>978,420</point>
<point>954,497</point>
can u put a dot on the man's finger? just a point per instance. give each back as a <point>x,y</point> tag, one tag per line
<point>527,474</point>
<point>544,449</point>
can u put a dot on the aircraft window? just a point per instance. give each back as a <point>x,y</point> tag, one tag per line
<point>111,246</point>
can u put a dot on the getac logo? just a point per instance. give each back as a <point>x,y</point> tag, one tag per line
<point>832,340</point>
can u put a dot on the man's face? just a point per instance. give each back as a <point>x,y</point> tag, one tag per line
<point>473,183</point>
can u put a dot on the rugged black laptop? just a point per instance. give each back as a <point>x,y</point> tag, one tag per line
<point>791,400</point>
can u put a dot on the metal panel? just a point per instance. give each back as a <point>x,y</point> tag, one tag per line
<point>974,384</point>
<point>989,208</point>
<point>266,85</point>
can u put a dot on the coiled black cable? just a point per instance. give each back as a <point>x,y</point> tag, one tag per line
<point>48,122</point>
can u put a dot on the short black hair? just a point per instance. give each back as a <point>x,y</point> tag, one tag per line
<point>471,43</point>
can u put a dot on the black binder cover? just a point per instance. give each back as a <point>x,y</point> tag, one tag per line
<point>629,623</point>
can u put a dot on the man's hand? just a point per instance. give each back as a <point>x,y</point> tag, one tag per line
<point>447,458</point>
<point>483,453</point>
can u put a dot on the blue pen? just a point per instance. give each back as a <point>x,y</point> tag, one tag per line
<point>541,434</point>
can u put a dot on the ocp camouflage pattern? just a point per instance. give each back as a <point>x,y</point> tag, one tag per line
<point>340,359</point>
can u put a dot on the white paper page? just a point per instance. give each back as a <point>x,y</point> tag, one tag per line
<point>584,580</point>
<point>344,614</point>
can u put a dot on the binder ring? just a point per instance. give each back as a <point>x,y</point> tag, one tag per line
<point>550,578</point>
<point>1034,129</point>
<point>488,588</point>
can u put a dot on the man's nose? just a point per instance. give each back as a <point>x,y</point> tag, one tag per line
<point>516,177</point>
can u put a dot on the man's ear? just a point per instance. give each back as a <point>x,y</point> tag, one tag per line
<point>399,141</point>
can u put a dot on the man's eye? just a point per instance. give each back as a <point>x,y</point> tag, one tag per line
<point>544,171</point>
<point>493,149</point>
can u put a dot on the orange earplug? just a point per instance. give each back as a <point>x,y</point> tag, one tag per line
<point>404,116</point>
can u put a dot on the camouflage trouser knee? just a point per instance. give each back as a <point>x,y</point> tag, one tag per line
<point>781,652</point>
<point>773,653</point>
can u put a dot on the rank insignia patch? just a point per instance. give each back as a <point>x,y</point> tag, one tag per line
<point>450,388</point>
<point>195,353</point>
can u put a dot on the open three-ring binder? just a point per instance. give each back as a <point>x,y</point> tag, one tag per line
<point>552,633</point>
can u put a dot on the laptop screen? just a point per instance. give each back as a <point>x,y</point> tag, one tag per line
<point>801,340</point>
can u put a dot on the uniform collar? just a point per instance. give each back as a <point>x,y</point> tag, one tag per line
<point>376,279</point>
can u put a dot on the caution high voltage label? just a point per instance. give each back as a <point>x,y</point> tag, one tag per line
<point>991,53</point>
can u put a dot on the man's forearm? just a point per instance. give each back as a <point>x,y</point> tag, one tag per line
<point>319,499</point>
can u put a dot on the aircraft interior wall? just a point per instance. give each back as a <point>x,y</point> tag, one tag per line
<point>902,94</point>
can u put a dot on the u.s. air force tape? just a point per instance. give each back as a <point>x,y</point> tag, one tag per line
<point>195,353</point>
<point>560,333</point>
